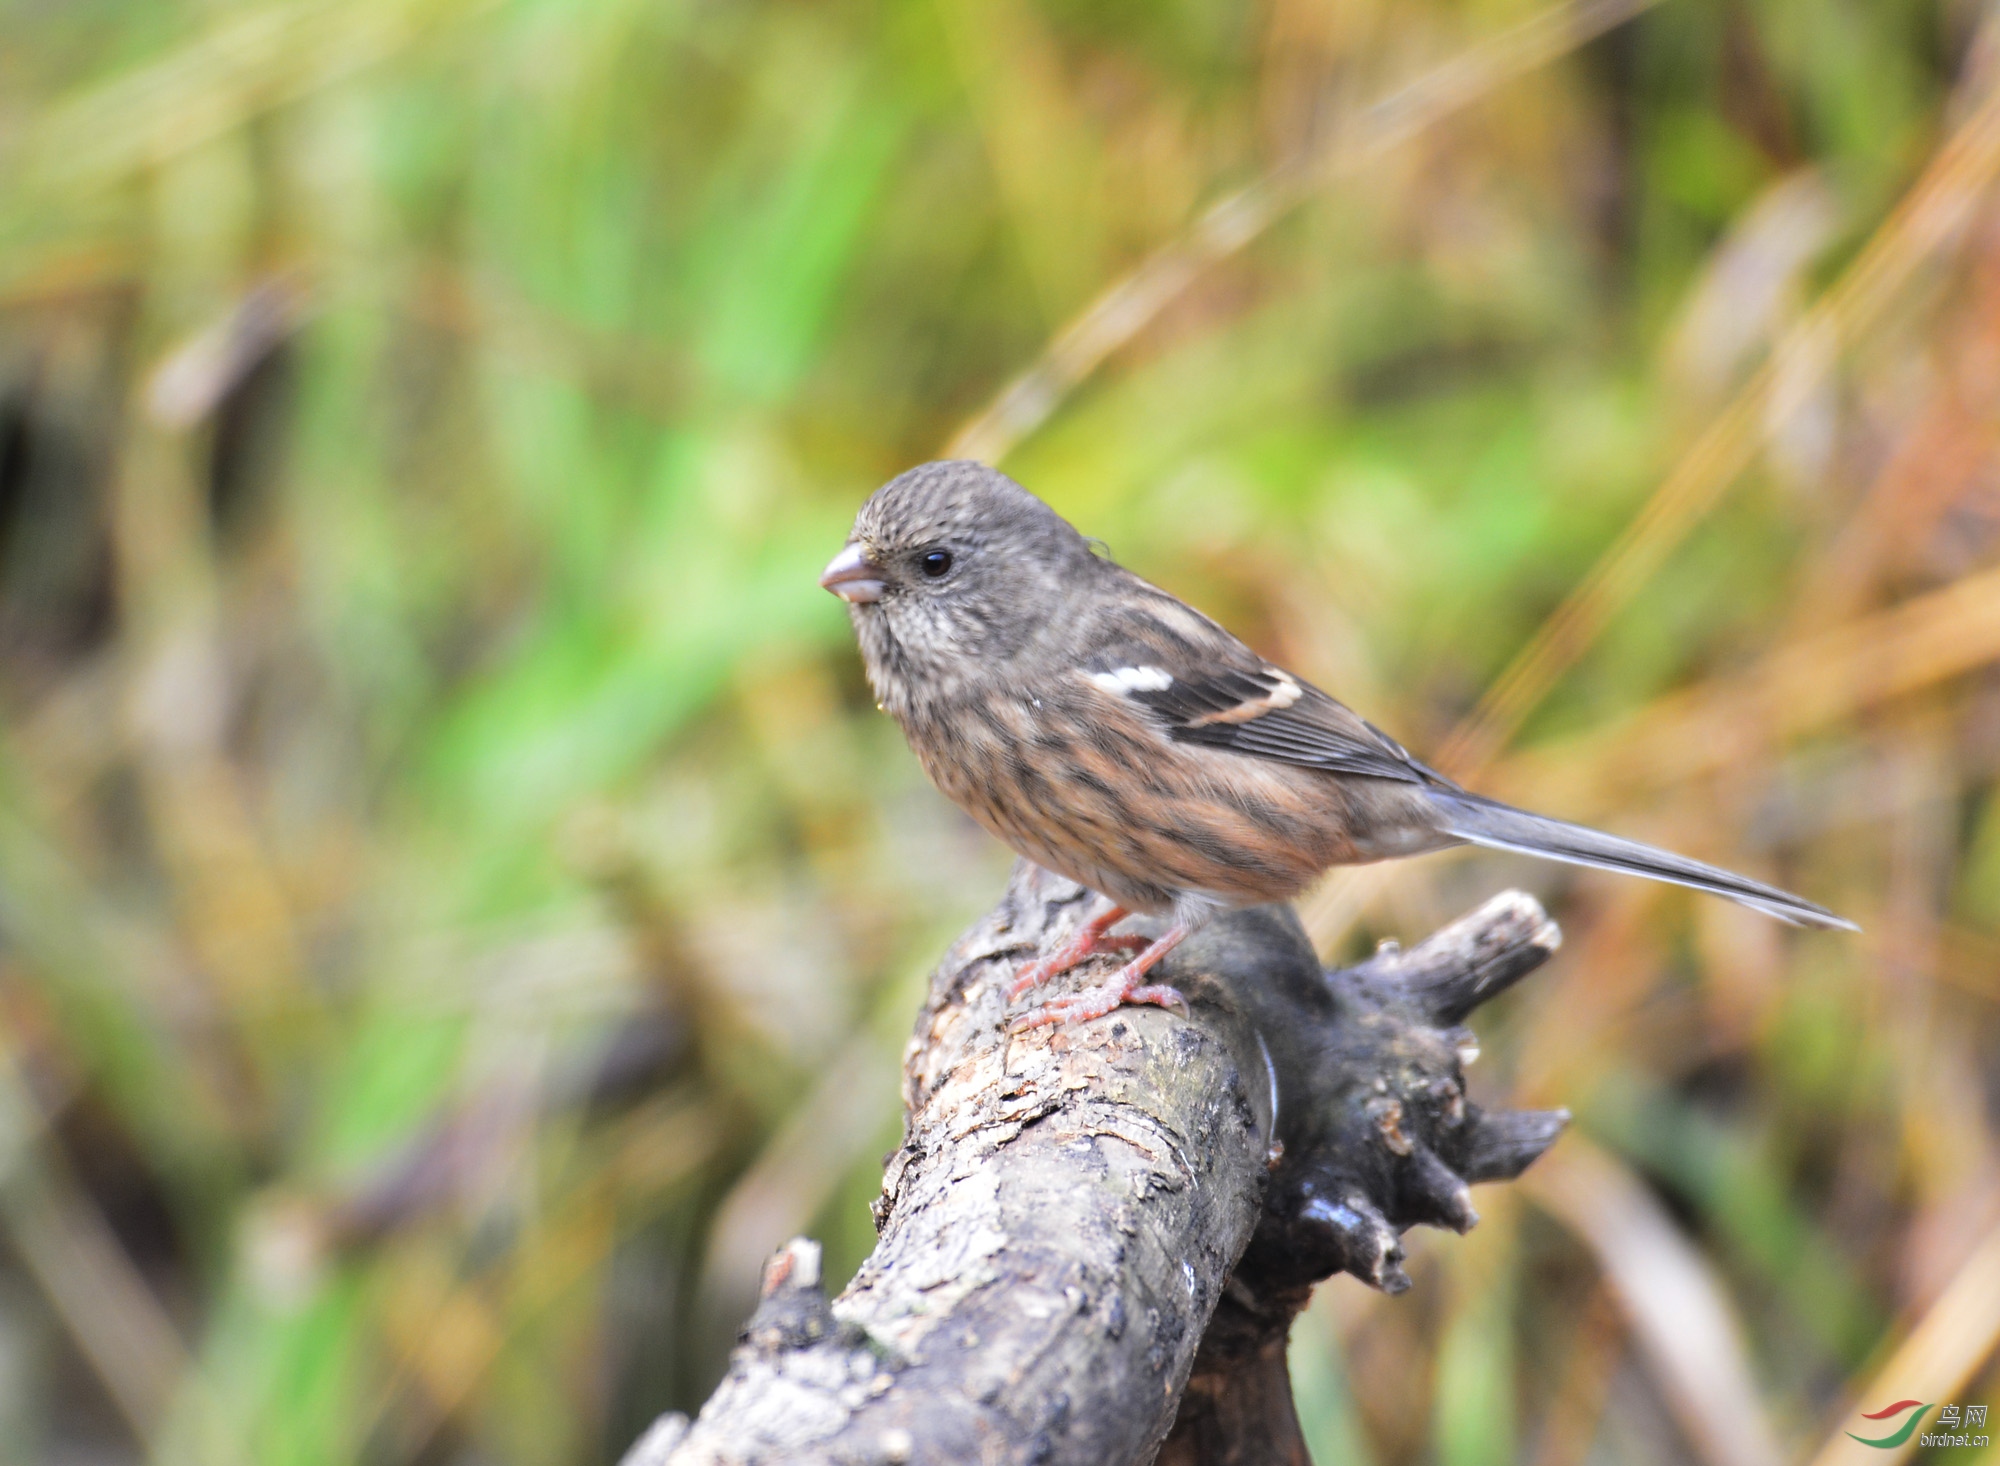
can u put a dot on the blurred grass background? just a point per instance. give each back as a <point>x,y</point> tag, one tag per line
<point>459,908</point>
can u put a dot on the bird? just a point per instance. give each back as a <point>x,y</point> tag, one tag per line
<point>1109,732</point>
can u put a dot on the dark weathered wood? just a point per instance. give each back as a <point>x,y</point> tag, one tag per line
<point>1378,1136</point>
<point>1081,1219</point>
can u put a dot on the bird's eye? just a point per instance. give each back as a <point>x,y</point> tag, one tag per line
<point>936,563</point>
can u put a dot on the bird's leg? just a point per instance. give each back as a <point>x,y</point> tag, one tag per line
<point>1126,986</point>
<point>1095,937</point>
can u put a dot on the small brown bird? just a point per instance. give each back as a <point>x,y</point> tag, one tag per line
<point>1118,737</point>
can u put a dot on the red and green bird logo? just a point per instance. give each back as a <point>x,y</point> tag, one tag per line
<point>1902,1432</point>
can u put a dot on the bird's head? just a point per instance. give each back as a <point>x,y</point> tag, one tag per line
<point>953,567</point>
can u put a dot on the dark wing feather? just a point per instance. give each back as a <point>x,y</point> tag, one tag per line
<point>1314,731</point>
<point>1223,695</point>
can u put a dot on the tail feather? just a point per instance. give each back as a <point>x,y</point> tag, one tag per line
<point>1500,827</point>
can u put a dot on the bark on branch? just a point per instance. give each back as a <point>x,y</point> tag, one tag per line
<point>1094,1239</point>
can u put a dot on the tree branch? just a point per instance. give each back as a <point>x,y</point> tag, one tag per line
<point>1094,1239</point>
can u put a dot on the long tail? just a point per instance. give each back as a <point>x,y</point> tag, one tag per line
<point>1483,822</point>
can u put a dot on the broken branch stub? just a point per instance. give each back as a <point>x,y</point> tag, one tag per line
<point>1093,1239</point>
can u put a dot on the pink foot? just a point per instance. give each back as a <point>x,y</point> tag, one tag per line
<point>1094,938</point>
<point>1126,986</point>
<point>1096,1002</point>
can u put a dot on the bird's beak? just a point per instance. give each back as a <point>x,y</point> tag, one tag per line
<point>853,576</point>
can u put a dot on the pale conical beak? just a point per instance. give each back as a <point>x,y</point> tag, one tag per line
<point>853,576</point>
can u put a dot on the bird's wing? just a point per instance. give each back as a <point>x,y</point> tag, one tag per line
<point>1202,685</point>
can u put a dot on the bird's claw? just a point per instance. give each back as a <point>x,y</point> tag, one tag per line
<point>1080,948</point>
<point>1098,1001</point>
